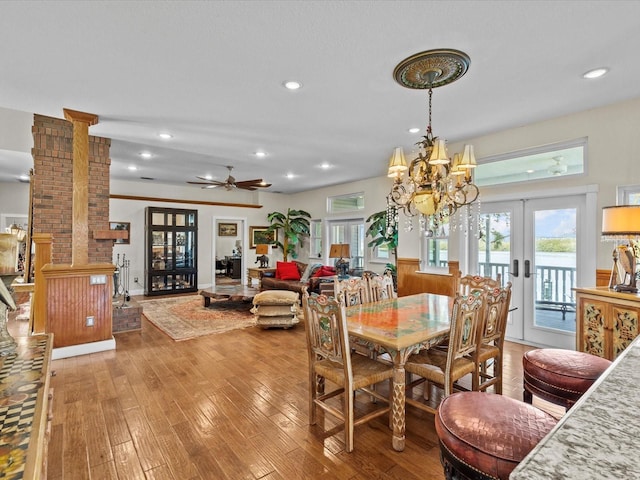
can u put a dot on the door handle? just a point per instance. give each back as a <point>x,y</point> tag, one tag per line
<point>527,269</point>
<point>514,270</point>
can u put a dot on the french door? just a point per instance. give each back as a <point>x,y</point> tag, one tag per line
<point>350,232</point>
<point>535,244</point>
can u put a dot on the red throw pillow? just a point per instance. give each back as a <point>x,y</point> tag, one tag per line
<point>325,271</point>
<point>287,271</point>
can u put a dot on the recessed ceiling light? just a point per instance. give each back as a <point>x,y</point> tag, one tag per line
<point>595,73</point>
<point>23,178</point>
<point>530,171</point>
<point>263,183</point>
<point>165,136</point>
<point>292,85</point>
<point>414,130</point>
<point>208,177</point>
<point>133,168</point>
<point>325,165</point>
<point>290,176</point>
<point>145,154</point>
<point>260,154</point>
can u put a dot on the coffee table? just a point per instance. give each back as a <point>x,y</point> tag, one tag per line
<point>236,293</point>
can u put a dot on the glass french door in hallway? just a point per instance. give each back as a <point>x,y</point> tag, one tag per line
<point>534,244</point>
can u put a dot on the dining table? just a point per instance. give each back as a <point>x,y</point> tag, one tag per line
<point>400,327</point>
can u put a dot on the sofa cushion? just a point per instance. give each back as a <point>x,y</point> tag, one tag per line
<point>287,271</point>
<point>277,284</point>
<point>325,271</point>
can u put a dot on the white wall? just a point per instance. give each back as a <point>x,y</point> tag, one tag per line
<point>133,211</point>
<point>613,158</point>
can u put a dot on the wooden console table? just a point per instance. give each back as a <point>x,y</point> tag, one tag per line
<point>25,408</point>
<point>607,321</point>
<point>257,273</point>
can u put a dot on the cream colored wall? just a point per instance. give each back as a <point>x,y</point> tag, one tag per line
<point>613,158</point>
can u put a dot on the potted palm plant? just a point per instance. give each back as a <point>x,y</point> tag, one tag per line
<point>384,234</point>
<point>294,225</point>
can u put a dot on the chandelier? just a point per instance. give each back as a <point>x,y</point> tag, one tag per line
<point>433,185</point>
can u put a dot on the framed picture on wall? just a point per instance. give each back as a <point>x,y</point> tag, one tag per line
<point>126,226</point>
<point>258,235</point>
<point>227,229</point>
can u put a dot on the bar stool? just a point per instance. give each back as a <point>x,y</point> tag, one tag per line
<point>485,435</point>
<point>560,376</point>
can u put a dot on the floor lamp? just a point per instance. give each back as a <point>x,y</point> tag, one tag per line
<point>622,222</point>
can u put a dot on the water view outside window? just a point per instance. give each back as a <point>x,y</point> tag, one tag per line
<point>553,267</point>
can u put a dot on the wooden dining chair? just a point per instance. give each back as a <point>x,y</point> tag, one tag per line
<point>491,339</point>
<point>379,287</point>
<point>353,290</point>
<point>330,359</point>
<point>445,367</point>
<point>471,283</point>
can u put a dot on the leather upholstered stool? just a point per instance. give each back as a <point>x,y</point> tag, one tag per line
<point>485,435</point>
<point>560,376</point>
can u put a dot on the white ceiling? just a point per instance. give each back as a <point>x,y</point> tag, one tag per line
<point>211,74</point>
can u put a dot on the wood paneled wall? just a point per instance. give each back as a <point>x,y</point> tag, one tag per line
<point>71,299</point>
<point>410,281</point>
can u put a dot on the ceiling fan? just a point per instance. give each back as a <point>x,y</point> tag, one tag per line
<point>230,183</point>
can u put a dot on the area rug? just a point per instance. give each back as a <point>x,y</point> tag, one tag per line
<point>182,318</point>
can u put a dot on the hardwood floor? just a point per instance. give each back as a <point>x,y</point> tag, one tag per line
<point>228,406</point>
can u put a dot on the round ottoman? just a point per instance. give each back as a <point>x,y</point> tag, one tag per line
<point>485,435</point>
<point>560,376</point>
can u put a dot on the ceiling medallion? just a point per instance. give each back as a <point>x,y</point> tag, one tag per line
<point>432,69</point>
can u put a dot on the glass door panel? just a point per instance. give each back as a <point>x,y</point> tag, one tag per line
<point>551,236</point>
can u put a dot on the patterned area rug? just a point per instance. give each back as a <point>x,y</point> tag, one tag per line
<point>183,318</point>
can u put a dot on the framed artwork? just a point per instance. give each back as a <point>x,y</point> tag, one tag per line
<point>121,226</point>
<point>228,229</point>
<point>258,235</point>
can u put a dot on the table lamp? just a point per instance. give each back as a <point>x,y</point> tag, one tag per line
<point>262,249</point>
<point>622,222</point>
<point>340,251</point>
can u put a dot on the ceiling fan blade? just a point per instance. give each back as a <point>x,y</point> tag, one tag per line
<point>246,187</point>
<point>253,183</point>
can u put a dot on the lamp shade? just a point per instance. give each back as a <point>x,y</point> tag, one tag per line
<point>439,153</point>
<point>262,249</point>
<point>455,166</point>
<point>339,250</point>
<point>468,158</point>
<point>621,221</point>
<point>397,164</point>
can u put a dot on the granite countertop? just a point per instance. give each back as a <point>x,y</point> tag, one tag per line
<point>599,438</point>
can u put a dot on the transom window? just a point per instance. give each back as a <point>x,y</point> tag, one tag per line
<point>350,202</point>
<point>550,161</point>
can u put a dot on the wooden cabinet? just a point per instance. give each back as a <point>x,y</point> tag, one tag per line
<point>607,321</point>
<point>171,251</point>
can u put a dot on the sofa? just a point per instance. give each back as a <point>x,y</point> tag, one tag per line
<point>294,276</point>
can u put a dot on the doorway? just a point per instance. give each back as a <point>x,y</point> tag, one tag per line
<point>535,244</point>
<point>228,251</point>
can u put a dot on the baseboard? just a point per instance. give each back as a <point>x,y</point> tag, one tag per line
<point>83,349</point>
